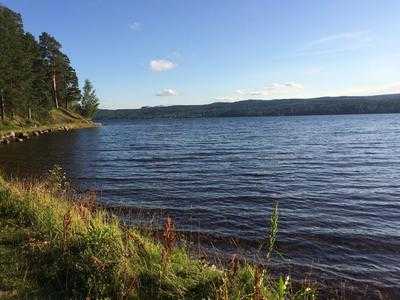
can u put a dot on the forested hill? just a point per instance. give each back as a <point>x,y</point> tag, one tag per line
<point>283,107</point>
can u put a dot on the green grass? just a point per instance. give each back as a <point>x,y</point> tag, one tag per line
<point>56,118</point>
<point>51,246</point>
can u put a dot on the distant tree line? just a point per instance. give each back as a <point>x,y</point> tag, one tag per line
<point>35,75</point>
<point>282,107</point>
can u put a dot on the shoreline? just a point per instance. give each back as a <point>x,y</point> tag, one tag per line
<point>23,134</point>
<point>47,232</point>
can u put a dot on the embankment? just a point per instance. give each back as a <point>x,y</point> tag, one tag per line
<point>55,243</point>
<point>59,120</point>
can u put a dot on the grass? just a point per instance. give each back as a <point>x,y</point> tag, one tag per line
<point>54,243</point>
<point>56,118</point>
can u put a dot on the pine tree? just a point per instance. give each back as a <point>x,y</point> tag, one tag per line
<point>69,91</point>
<point>40,91</point>
<point>50,51</point>
<point>11,59</point>
<point>34,76</point>
<point>89,102</point>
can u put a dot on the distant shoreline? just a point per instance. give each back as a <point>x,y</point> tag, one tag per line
<point>343,105</point>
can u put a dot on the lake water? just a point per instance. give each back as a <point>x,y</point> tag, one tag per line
<point>336,179</point>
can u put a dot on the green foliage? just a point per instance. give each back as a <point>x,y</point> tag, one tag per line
<point>35,76</point>
<point>89,102</point>
<point>273,230</point>
<point>75,250</point>
<point>57,180</point>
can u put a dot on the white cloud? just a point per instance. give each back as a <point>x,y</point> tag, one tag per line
<point>167,93</point>
<point>135,26</point>
<point>365,90</point>
<point>255,93</point>
<point>277,89</point>
<point>160,65</point>
<point>347,36</point>
<point>268,91</point>
<point>225,99</point>
<point>337,43</point>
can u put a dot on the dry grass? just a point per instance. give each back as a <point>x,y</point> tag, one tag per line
<point>79,250</point>
<point>55,120</point>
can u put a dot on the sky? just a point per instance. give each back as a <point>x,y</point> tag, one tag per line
<point>148,53</point>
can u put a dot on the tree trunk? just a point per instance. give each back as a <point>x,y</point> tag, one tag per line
<point>2,105</point>
<point>55,88</point>
<point>29,113</point>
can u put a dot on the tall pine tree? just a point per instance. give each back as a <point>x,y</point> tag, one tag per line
<point>36,76</point>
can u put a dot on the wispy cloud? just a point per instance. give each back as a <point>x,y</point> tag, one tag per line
<point>268,91</point>
<point>160,65</point>
<point>135,26</point>
<point>225,99</point>
<point>365,90</point>
<point>337,43</point>
<point>277,89</point>
<point>346,36</point>
<point>167,93</point>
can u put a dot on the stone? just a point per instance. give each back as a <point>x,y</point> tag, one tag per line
<point>22,135</point>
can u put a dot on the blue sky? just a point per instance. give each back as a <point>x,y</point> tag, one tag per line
<point>165,52</point>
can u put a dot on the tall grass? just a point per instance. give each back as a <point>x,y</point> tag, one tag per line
<point>75,249</point>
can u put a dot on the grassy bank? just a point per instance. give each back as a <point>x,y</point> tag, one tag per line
<point>57,119</point>
<point>54,243</point>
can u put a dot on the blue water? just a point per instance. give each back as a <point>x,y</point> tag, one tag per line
<point>336,180</point>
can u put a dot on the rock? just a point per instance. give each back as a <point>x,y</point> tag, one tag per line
<point>19,140</point>
<point>12,134</point>
<point>22,135</point>
<point>6,141</point>
<point>36,133</point>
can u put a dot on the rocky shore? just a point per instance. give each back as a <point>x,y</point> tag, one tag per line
<point>23,135</point>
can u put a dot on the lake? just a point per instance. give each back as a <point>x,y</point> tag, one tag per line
<point>336,180</point>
